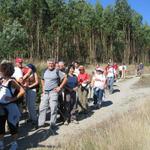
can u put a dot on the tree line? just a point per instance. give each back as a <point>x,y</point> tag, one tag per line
<point>73,30</point>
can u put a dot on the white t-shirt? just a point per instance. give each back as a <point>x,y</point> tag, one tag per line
<point>99,81</point>
<point>18,73</point>
<point>120,68</point>
<point>76,72</point>
<point>5,91</point>
<point>111,72</point>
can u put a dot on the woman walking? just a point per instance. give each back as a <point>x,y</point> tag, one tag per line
<point>71,88</point>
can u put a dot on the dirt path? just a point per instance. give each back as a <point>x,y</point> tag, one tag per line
<point>121,101</point>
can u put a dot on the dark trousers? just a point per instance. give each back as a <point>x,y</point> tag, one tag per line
<point>70,105</point>
<point>61,107</point>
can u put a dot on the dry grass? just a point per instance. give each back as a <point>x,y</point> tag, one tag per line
<point>130,131</point>
<point>143,82</point>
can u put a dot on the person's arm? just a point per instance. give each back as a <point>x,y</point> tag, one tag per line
<point>43,84</point>
<point>27,74</point>
<point>88,78</point>
<point>43,81</point>
<point>76,87</point>
<point>20,80</point>
<point>115,74</point>
<point>36,81</point>
<point>105,84</point>
<point>64,81</point>
<point>79,80</point>
<point>93,81</point>
<point>19,88</point>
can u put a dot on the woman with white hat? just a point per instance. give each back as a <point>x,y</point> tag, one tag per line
<point>98,83</point>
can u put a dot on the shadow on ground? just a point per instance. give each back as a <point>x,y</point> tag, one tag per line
<point>116,91</point>
<point>29,137</point>
<point>106,103</point>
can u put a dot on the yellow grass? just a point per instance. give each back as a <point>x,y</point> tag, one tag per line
<point>128,132</point>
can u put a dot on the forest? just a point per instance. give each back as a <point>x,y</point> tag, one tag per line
<point>73,30</point>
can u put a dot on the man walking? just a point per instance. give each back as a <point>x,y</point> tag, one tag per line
<point>50,89</point>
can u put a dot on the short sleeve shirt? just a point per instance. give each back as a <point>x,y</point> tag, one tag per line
<point>72,81</point>
<point>52,78</point>
<point>18,73</point>
<point>99,81</point>
<point>83,77</point>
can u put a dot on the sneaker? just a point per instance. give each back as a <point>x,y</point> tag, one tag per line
<point>13,146</point>
<point>66,123</point>
<point>52,129</point>
<point>53,126</point>
<point>28,121</point>
<point>98,106</point>
<point>35,124</point>
<point>1,145</point>
<point>75,121</point>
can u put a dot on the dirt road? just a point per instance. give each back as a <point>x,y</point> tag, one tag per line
<point>124,99</point>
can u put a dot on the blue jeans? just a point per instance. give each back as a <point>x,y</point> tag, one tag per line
<point>110,82</point>
<point>31,104</point>
<point>98,95</point>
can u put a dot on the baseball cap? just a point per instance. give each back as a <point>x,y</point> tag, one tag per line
<point>18,60</point>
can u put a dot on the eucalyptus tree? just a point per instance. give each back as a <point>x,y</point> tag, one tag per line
<point>110,32</point>
<point>73,30</point>
<point>13,39</point>
<point>123,15</point>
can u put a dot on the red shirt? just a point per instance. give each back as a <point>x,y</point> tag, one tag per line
<point>25,70</point>
<point>83,77</point>
<point>115,66</point>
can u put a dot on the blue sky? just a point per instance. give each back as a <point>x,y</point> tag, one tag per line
<point>141,6</point>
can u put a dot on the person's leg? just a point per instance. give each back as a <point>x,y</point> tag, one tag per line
<point>43,109</point>
<point>2,131</point>
<point>100,97</point>
<point>111,85</point>
<point>108,83</point>
<point>14,133</point>
<point>120,74</point>
<point>31,100</point>
<point>85,100</point>
<point>81,100</point>
<point>73,111</point>
<point>95,96</point>
<point>61,107</point>
<point>53,101</point>
<point>67,106</point>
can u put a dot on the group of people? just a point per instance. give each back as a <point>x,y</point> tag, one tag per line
<point>64,89</point>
